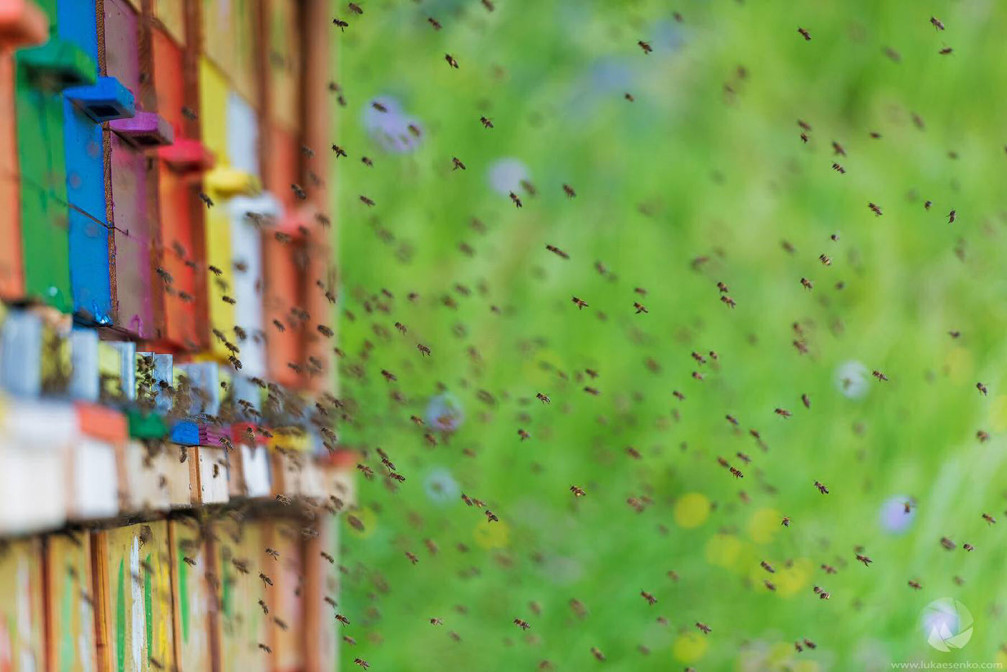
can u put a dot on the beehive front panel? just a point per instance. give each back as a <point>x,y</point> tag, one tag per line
<point>195,601</point>
<point>11,264</point>
<point>70,603</point>
<point>138,612</point>
<point>22,609</point>
<point>243,622</point>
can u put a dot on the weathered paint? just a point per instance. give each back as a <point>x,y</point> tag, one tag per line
<point>240,549</point>
<point>285,66</point>
<point>21,610</point>
<point>229,32</point>
<point>132,177</point>
<point>139,584</point>
<point>11,262</point>
<point>194,598</point>
<point>70,603</point>
<point>89,233</point>
<point>285,596</point>
<point>45,244</point>
<point>171,14</point>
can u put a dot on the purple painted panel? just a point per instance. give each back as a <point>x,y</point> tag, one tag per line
<point>135,308</point>
<point>122,44</point>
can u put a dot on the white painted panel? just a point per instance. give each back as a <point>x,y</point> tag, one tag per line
<point>255,464</point>
<point>246,251</point>
<point>212,482</point>
<point>84,381</point>
<point>242,135</point>
<point>94,490</point>
<point>32,488</point>
<point>143,490</point>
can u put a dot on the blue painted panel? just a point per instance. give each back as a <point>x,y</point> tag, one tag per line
<point>90,271</point>
<point>185,433</point>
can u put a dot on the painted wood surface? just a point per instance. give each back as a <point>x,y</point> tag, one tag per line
<point>42,161</point>
<point>145,481</point>
<point>284,63</point>
<point>246,215</point>
<point>171,14</point>
<point>70,603</point>
<point>180,222</point>
<point>285,596</point>
<point>22,647</point>
<point>229,32</point>
<point>239,558</point>
<point>213,485</point>
<point>11,263</point>
<point>321,567</point>
<point>132,178</point>
<point>89,233</point>
<point>195,601</point>
<point>135,570</point>
<point>93,482</point>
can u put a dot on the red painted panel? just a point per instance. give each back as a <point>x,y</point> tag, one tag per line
<point>283,166</point>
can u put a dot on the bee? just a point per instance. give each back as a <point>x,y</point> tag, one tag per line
<point>436,621</point>
<point>821,488</point>
<point>736,472</point>
<point>875,209</point>
<point>516,199</point>
<point>981,388</point>
<point>838,168</point>
<point>651,600</point>
<point>521,624</point>
<point>807,284</point>
<point>640,308</point>
<point>228,299</point>
<point>645,46</point>
<point>424,350</point>
<point>558,252</point>
<point>766,566</point>
<point>458,163</point>
<point>968,547</point>
<point>947,544</point>
<point>936,23</point>
<point>945,51</point>
<point>491,517</point>
<point>951,216</point>
<point>488,4</point>
<point>880,376</point>
<point>728,301</point>
<point>342,619</point>
<point>265,579</point>
<point>189,561</point>
<point>355,8</point>
<point>782,412</point>
<point>804,125</point>
<point>412,557</point>
<point>577,492</point>
<point>805,34</point>
<point>769,584</point>
<point>206,199</point>
<point>804,138</point>
<point>838,149</point>
<point>786,521</point>
<point>366,201</point>
<point>523,434</point>
<point>299,192</point>
<point>592,391</point>
<point>339,151</point>
<point>826,261</point>
<point>864,559</point>
<point>568,190</point>
<point>361,662</point>
<point>806,400</point>
<point>579,303</point>
<point>598,655</point>
<point>328,557</point>
<point>434,22</point>
<point>982,436</point>
<point>273,553</point>
<point>366,471</point>
<point>543,398</point>
<point>810,644</point>
<point>927,204</point>
<point>821,593</point>
<point>451,60</point>
<point>915,585</point>
<point>989,519</point>
<point>704,628</point>
<point>629,96</point>
<point>388,375</point>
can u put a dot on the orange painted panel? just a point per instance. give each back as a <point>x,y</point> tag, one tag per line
<point>11,263</point>
<point>283,167</point>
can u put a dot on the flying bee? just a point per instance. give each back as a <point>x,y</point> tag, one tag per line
<point>951,216</point>
<point>412,557</point>
<point>206,199</point>
<point>516,199</point>
<point>325,331</point>
<point>598,655</point>
<point>298,192</point>
<point>782,412</point>
<point>339,151</point>
<point>945,51</point>
<point>838,149</point>
<point>703,627</point>
<point>487,123</point>
<point>968,547</point>
<point>273,553</point>
<point>875,209</point>
<point>826,261</point>
<point>645,46</point>
<point>361,662</point>
<point>936,23</point>
<point>786,521</point>
<point>579,303</point>
<point>558,252</point>
<point>521,623</point>
<point>434,22</point>
<point>651,600</point>
<point>543,398</point>
<point>640,308</point>
<point>915,585</point>
<point>806,400</point>
<point>457,163</point>
<point>342,24</point>
<point>864,559</point>
<point>523,434</point>
<point>568,190</point>
<point>577,492</point>
<point>821,488</point>
<point>838,168</point>
<point>366,201</point>
<point>451,60</point>
<point>424,350</point>
<point>265,579</point>
<point>989,519</point>
<point>807,284</point>
<point>981,388</point>
<point>629,96</point>
<point>736,472</point>
<point>766,566</point>
<point>728,301</point>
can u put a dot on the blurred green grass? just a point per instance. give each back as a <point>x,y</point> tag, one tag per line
<point>685,171</point>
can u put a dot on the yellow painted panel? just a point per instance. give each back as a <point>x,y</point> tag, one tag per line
<point>139,589</point>
<point>229,40</point>
<point>284,63</point>
<point>21,609</point>
<point>193,595</point>
<point>172,14</point>
<point>213,108</point>
<point>243,624</point>
<point>71,603</point>
<point>218,254</point>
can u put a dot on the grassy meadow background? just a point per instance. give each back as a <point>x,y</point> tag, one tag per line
<point>702,178</point>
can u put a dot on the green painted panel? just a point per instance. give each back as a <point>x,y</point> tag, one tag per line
<point>44,209</point>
